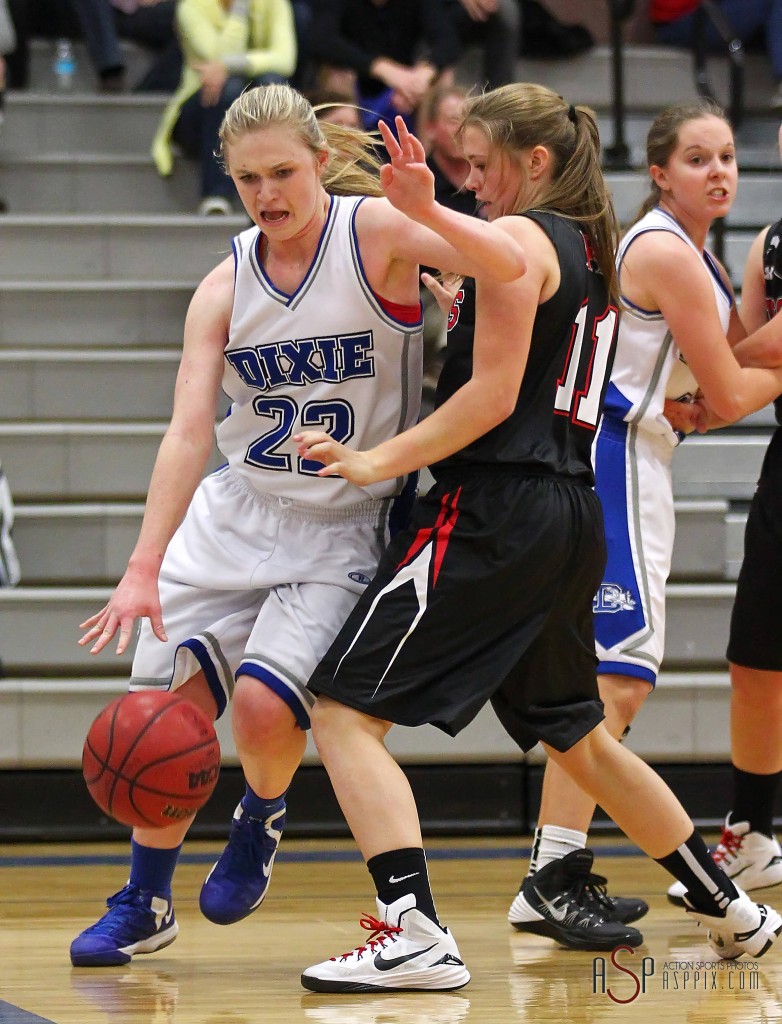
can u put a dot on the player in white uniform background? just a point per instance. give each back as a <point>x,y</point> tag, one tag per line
<point>247,575</point>
<point>677,305</point>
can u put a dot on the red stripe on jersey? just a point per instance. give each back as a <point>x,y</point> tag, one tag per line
<point>446,520</point>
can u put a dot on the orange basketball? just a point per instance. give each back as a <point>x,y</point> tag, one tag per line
<point>151,759</point>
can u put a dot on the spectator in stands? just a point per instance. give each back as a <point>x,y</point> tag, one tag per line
<point>228,45</point>
<point>677,305</point>
<point>152,24</point>
<point>545,37</point>
<point>748,848</point>
<point>31,18</point>
<point>495,25</point>
<point>675,23</point>
<point>147,22</point>
<point>377,45</point>
<point>101,23</point>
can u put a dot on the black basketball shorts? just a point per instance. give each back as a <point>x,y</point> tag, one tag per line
<point>486,596</point>
<point>755,635</point>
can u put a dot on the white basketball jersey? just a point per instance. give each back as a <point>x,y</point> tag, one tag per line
<point>327,357</point>
<point>648,365</point>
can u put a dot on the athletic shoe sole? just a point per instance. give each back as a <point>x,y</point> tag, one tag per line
<point>118,957</point>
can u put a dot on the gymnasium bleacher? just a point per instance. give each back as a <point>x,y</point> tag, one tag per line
<point>98,258</point>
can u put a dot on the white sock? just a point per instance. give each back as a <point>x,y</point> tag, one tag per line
<point>553,843</point>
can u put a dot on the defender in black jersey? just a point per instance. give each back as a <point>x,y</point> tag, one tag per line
<point>488,594</point>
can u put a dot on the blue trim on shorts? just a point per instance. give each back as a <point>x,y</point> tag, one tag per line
<point>277,686</point>
<point>617,607</point>
<point>624,668</point>
<point>212,678</point>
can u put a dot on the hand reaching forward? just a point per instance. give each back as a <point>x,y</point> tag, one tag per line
<point>407,181</point>
<point>136,596</point>
<point>352,465</point>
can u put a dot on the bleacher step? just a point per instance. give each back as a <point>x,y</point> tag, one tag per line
<point>84,247</point>
<point>129,312</point>
<point>98,384</point>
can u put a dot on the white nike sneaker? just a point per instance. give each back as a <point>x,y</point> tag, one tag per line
<point>746,927</point>
<point>752,860</point>
<point>406,951</point>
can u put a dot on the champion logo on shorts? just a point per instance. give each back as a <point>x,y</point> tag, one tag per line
<point>360,577</point>
<point>611,598</point>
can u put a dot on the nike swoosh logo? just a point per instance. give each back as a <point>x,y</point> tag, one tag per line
<point>393,879</point>
<point>387,965</point>
<point>559,914</point>
<point>267,868</point>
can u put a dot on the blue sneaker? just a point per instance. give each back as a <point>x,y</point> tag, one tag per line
<point>137,921</point>
<point>238,882</point>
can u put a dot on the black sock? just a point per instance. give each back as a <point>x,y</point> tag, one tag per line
<point>754,797</point>
<point>400,872</point>
<point>708,887</point>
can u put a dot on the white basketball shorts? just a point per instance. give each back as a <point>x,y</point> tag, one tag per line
<point>633,473</point>
<point>259,586</point>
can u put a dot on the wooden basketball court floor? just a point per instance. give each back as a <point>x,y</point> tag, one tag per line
<point>249,973</point>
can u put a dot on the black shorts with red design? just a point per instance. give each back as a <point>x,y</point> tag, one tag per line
<point>487,596</point>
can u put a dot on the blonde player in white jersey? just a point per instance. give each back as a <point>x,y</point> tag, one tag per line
<point>314,321</point>
<point>677,306</point>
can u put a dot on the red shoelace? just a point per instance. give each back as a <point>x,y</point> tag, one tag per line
<point>381,933</point>
<point>730,843</point>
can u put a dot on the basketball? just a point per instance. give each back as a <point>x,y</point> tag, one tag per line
<point>151,759</point>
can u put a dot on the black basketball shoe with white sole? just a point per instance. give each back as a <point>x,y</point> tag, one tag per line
<point>567,903</point>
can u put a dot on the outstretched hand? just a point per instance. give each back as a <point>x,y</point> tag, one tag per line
<point>337,460</point>
<point>136,597</point>
<point>407,181</point>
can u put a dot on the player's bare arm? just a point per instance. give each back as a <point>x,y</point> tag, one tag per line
<point>678,284</point>
<point>179,465</point>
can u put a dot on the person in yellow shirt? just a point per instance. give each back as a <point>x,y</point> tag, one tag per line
<point>227,45</point>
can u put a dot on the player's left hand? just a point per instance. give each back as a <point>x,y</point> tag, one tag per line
<point>407,182</point>
<point>337,460</point>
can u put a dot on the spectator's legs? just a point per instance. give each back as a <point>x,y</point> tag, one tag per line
<point>96,18</point>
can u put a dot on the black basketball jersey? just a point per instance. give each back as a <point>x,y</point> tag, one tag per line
<point>772,272</point>
<point>551,429</point>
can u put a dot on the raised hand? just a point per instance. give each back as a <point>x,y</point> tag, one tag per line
<point>407,181</point>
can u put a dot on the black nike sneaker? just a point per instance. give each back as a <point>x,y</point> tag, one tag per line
<point>406,951</point>
<point>567,903</point>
